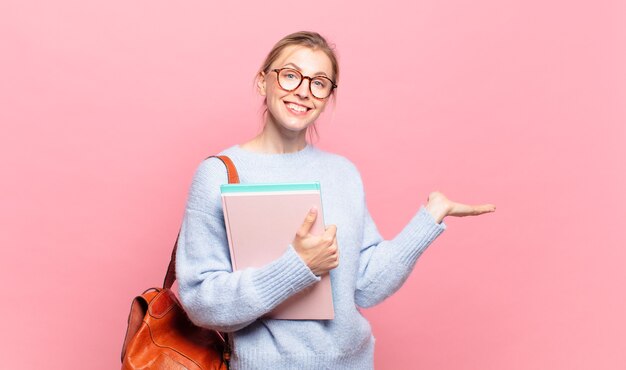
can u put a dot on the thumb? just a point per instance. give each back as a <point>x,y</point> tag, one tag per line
<point>308,222</point>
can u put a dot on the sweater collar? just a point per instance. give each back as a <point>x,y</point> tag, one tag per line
<point>245,155</point>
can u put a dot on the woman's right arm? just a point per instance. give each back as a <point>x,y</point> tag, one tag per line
<point>212,295</point>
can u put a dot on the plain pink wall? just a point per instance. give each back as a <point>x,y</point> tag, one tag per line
<point>106,109</point>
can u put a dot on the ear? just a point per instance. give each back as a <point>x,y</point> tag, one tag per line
<point>261,82</point>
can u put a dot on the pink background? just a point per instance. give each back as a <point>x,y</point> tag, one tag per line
<point>108,107</point>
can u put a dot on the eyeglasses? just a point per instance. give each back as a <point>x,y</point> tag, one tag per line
<point>290,79</point>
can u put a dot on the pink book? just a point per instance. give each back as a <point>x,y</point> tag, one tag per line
<point>261,221</point>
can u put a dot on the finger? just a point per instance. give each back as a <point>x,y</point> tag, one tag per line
<point>333,248</point>
<point>483,208</point>
<point>309,220</point>
<point>335,258</point>
<point>331,231</point>
<point>460,209</point>
<point>327,241</point>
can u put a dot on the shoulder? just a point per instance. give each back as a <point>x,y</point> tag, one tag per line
<point>211,171</point>
<point>204,192</point>
<point>341,165</point>
<point>342,188</point>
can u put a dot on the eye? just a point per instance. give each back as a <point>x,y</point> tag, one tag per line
<point>290,74</point>
<point>319,82</point>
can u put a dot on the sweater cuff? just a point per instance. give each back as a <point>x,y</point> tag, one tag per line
<point>417,236</point>
<point>282,278</point>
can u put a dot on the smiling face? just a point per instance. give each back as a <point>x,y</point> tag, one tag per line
<point>293,111</point>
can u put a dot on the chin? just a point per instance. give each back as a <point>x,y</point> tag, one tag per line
<point>296,127</point>
<point>293,124</point>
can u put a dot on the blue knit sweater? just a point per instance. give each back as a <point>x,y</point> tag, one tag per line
<point>370,268</point>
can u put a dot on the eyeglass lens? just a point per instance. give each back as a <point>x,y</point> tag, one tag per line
<point>290,79</point>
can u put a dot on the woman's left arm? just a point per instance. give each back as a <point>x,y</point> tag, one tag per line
<point>384,265</point>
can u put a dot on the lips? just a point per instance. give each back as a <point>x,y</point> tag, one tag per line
<point>296,108</point>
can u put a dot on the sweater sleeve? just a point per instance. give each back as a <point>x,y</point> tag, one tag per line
<point>211,293</point>
<point>384,265</point>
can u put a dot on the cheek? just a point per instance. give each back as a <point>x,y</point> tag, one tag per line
<point>274,92</point>
<point>321,106</point>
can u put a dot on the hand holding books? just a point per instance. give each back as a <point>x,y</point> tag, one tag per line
<point>319,252</point>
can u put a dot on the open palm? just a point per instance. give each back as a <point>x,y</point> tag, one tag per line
<point>440,206</point>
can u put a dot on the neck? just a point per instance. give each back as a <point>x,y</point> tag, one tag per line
<point>274,140</point>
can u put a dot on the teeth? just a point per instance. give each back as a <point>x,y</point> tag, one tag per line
<point>296,107</point>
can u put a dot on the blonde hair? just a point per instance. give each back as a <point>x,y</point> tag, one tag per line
<point>308,39</point>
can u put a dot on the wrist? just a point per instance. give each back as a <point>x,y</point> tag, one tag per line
<point>438,212</point>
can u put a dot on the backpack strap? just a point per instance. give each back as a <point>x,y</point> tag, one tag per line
<point>233,178</point>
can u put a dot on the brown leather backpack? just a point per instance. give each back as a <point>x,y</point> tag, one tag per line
<point>159,333</point>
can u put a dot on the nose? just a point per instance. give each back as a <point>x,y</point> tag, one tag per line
<point>303,90</point>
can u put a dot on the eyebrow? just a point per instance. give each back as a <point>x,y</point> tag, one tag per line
<point>299,69</point>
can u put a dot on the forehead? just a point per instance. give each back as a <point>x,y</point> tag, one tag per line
<point>310,61</point>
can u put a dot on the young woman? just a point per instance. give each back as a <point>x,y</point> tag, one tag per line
<point>298,78</point>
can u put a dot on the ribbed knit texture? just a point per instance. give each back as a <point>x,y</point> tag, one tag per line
<point>370,268</point>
